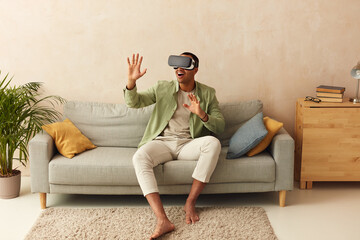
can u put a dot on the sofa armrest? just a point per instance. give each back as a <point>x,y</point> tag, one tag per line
<point>41,151</point>
<point>282,150</point>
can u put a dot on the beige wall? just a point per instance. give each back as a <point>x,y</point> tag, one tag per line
<point>273,50</point>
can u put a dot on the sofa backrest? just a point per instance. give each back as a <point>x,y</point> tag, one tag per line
<point>109,125</point>
<point>236,114</point>
<point>116,125</point>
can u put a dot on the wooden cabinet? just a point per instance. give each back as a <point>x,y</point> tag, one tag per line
<point>327,142</point>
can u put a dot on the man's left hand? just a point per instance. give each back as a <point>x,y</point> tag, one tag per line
<point>195,107</point>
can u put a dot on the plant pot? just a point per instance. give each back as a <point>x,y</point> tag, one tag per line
<point>10,186</point>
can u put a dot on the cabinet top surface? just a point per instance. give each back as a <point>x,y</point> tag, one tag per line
<point>346,103</point>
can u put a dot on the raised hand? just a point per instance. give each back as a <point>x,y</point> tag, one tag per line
<point>134,72</point>
<point>195,107</point>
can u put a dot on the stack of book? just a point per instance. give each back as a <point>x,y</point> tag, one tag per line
<point>330,93</point>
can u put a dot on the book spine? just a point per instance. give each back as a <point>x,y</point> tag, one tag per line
<point>335,100</point>
<point>332,95</point>
<point>329,90</point>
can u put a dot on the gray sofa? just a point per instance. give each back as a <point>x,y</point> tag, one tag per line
<point>117,130</point>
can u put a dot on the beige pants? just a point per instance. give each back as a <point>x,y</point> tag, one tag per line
<point>205,150</point>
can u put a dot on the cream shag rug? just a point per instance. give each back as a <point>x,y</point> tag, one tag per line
<point>138,223</point>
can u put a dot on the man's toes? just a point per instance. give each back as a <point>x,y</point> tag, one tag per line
<point>191,219</point>
<point>154,235</point>
<point>161,229</point>
<point>188,219</point>
<point>195,219</point>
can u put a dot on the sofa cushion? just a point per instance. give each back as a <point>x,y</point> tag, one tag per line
<point>100,166</point>
<point>110,125</point>
<point>68,138</point>
<point>272,126</point>
<point>236,114</point>
<point>260,168</point>
<point>247,137</point>
<point>112,166</point>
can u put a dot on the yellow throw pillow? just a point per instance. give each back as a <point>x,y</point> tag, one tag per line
<point>273,127</point>
<point>68,138</point>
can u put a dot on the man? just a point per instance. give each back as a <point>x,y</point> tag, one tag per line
<point>185,114</point>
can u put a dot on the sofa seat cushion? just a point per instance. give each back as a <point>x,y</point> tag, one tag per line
<point>113,166</point>
<point>100,166</point>
<point>259,168</point>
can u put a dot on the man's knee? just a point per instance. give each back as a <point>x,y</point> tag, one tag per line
<point>141,159</point>
<point>212,143</point>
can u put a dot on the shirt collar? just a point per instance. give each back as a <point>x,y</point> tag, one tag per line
<point>177,87</point>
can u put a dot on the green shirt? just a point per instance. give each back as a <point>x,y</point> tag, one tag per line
<point>164,94</point>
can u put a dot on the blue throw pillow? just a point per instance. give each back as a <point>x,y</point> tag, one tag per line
<point>247,137</point>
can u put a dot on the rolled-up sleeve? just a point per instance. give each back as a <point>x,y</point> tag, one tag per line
<point>133,99</point>
<point>216,121</point>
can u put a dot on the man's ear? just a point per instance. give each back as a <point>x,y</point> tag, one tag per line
<point>196,70</point>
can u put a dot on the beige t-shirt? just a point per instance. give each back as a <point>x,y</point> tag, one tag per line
<point>178,126</point>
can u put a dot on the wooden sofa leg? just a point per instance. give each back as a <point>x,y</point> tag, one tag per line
<point>282,197</point>
<point>43,200</point>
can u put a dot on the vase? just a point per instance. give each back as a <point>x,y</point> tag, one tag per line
<point>10,186</point>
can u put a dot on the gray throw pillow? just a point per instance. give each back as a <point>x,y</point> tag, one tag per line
<point>247,137</point>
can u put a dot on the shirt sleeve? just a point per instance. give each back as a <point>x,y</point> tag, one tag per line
<point>134,99</point>
<point>216,121</point>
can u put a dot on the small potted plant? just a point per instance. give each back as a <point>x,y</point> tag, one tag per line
<point>22,113</point>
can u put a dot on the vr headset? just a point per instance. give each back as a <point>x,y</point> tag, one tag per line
<point>182,62</point>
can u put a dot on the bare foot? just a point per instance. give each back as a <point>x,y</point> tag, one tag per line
<point>162,227</point>
<point>191,215</point>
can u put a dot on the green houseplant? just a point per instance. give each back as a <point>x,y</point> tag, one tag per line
<point>22,113</point>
